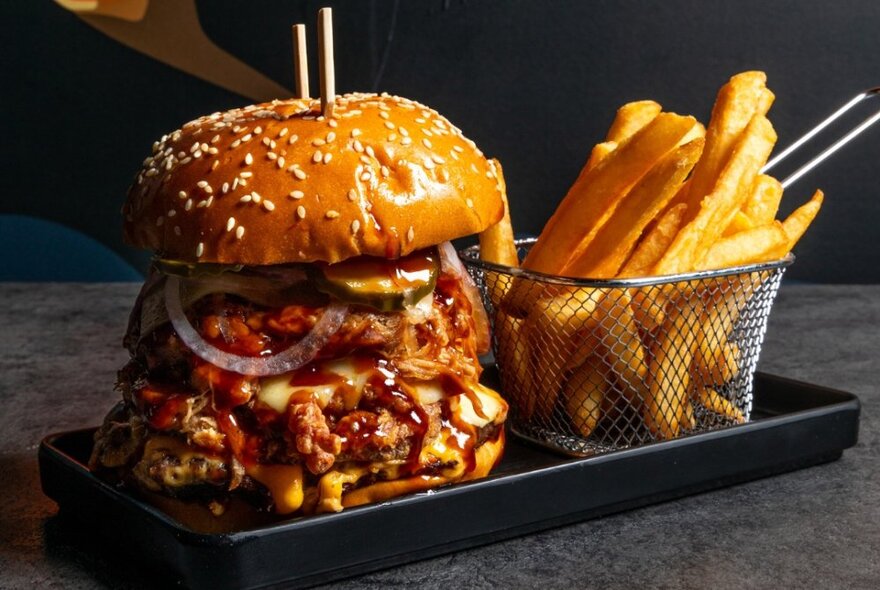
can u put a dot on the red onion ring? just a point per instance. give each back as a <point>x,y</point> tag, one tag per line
<point>450,263</point>
<point>285,361</point>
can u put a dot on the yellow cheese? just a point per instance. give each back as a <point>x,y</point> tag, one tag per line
<point>285,483</point>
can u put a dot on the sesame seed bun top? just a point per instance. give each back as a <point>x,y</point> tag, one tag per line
<point>278,182</point>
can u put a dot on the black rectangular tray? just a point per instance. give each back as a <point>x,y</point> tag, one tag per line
<point>794,425</point>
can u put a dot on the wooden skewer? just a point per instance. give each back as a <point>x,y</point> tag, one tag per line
<point>300,61</point>
<point>325,61</point>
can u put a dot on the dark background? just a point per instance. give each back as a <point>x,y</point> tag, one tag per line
<point>535,84</point>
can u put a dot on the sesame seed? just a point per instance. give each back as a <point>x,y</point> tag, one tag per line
<point>403,131</point>
<point>383,114</point>
<point>358,146</point>
<point>209,201</point>
<point>458,148</point>
<point>296,194</point>
<point>331,214</point>
<point>159,221</point>
<point>474,168</point>
<point>182,194</point>
<point>200,249</point>
<point>256,196</point>
<point>427,143</point>
<point>437,159</point>
<point>470,203</point>
<point>420,120</point>
<point>427,132</point>
<point>258,130</point>
<point>248,159</point>
<point>272,155</point>
<point>317,156</point>
<point>186,160</point>
<point>239,232</point>
<point>330,137</point>
<point>202,183</point>
<point>152,172</point>
<point>266,141</point>
<point>355,226</point>
<point>392,136</point>
<point>204,147</point>
<point>352,195</point>
<point>429,164</point>
<point>188,205</point>
<point>332,123</point>
<point>410,234</point>
<point>171,213</point>
<point>389,125</point>
<point>246,138</point>
<point>230,224</point>
<point>268,205</point>
<point>225,188</point>
<point>235,143</point>
<point>246,174</point>
<point>385,171</point>
<point>292,139</point>
<point>318,142</point>
<point>370,151</point>
<point>406,141</point>
<point>280,162</point>
<point>235,182</point>
<point>194,147</point>
<point>301,212</point>
<point>242,182</point>
<point>299,174</point>
<point>366,176</point>
<point>245,199</point>
<point>176,230</point>
<point>283,132</point>
<point>213,151</point>
<point>209,190</point>
<point>355,132</point>
<point>488,174</point>
<point>327,157</point>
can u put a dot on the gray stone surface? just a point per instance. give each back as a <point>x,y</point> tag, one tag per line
<point>816,528</point>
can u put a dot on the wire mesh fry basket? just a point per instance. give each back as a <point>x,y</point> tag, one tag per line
<point>591,366</point>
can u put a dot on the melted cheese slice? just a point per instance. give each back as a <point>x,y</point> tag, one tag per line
<point>275,391</point>
<point>285,483</point>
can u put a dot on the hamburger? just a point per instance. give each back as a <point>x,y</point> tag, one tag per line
<point>306,339</point>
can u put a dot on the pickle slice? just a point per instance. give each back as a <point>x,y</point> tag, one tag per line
<point>386,285</point>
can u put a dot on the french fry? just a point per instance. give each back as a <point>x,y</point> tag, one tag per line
<point>714,401</point>
<point>740,223</point>
<point>716,365</point>
<point>496,241</point>
<point>556,328</point>
<point>655,243</point>
<point>687,417</point>
<point>669,371</point>
<point>513,358</point>
<point>718,208</point>
<point>616,239</point>
<point>596,193</point>
<point>744,96</point>
<point>763,201</point>
<point>758,244</point>
<point>585,392</point>
<point>619,336</point>
<point>797,223</point>
<point>631,118</point>
<point>598,153</point>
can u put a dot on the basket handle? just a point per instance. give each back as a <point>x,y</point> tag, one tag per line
<point>827,152</point>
